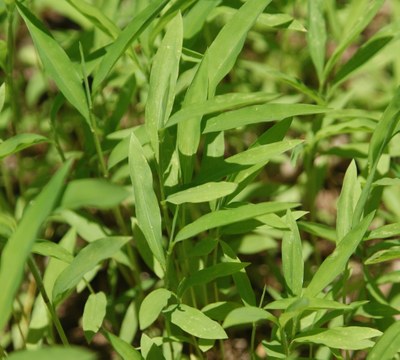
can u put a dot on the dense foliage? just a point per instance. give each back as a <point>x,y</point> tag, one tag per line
<point>199,179</point>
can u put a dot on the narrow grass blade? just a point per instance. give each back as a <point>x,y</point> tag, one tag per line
<point>125,350</point>
<point>259,114</point>
<point>366,52</point>
<point>319,230</point>
<point>56,62</point>
<point>335,263</point>
<point>388,345</point>
<point>97,193</point>
<point>93,314</point>
<point>202,193</point>
<point>247,315</point>
<point>19,142</point>
<point>348,198</point>
<point>54,352</point>
<point>194,322</point>
<point>355,27</point>
<point>220,103</point>
<point>19,245</point>
<point>85,261</point>
<point>292,257</point>
<point>229,216</point>
<point>146,203</point>
<point>209,274</point>
<point>344,338</point>
<point>316,35</point>
<point>162,83</point>
<point>262,153</point>
<point>138,24</point>
<point>151,307</point>
<point>96,17</point>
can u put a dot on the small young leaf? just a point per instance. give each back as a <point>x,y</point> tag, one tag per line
<point>202,193</point>
<point>93,314</point>
<point>51,249</point>
<point>85,261</point>
<point>194,322</point>
<point>20,142</point>
<point>146,203</point>
<point>152,306</point>
<point>384,255</point>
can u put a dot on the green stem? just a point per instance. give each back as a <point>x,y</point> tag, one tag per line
<point>92,122</point>
<point>39,282</point>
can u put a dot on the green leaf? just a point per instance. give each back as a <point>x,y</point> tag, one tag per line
<point>137,25</point>
<point>152,306</point>
<point>56,62</point>
<point>126,351</point>
<point>93,314</point>
<point>54,352</point>
<point>146,203</point>
<point>20,142</point>
<point>20,244</point>
<point>217,62</point>
<point>85,261</point>
<point>202,193</point>
<point>292,257</point>
<point>336,262</point>
<point>229,216</point>
<point>259,114</point>
<point>384,255</point>
<point>2,95</point>
<point>48,248</point>
<point>220,103</point>
<point>355,26</point>
<point>97,193</point>
<point>344,338</point>
<point>385,231</point>
<point>211,273</point>
<point>388,345</point>
<point>162,83</point>
<point>348,198</point>
<point>262,153</point>
<point>366,52</point>
<point>307,304</point>
<point>316,229</point>
<point>194,322</point>
<point>247,315</point>
<point>316,35</point>
<point>385,129</point>
<point>96,17</point>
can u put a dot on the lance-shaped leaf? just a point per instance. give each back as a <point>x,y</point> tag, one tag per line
<point>388,344</point>
<point>93,314</point>
<point>56,62</point>
<point>292,257</point>
<point>247,315</point>
<point>146,203</point>
<point>53,352</point>
<point>259,113</point>
<point>195,322</point>
<point>162,83</point>
<point>85,261</point>
<point>21,242</point>
<point>137,25</point>
<point>229,216</point>
<point>20,142</point>
<point>152,306</point>
<point>336,262</point>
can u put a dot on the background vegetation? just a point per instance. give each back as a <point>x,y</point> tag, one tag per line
<point>199,179</point>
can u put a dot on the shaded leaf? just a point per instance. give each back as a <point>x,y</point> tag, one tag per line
<point>20,142</point>
<point>152,306</point>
